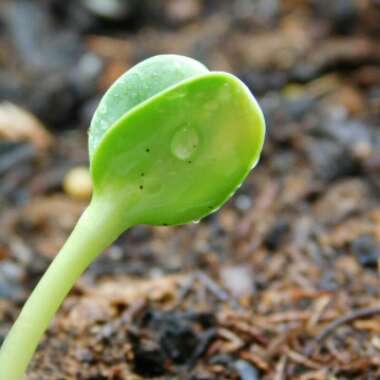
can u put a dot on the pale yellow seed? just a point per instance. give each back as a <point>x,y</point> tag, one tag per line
<point>77,183</point>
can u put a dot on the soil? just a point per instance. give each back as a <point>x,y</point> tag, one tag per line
<point>282,282</point>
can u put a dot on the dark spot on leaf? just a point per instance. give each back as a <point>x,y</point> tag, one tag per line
<point>142,174</point>
<point>147,150</point>
<point>141,187</point>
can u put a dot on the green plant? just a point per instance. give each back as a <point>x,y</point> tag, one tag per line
<point>169,143</point>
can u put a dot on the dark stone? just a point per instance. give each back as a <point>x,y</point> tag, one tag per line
<point>276,235</point>
<point>342,14</point>
<point>179,335</point>
<point>331,161</point>
<point>148,361</point>
<point>54,102</point>
<point>74,15</point>
<point>344,132</point>
<point>178,340</point>
<point>205,319</point>
<point>346,15</point>
<point>366,251</point>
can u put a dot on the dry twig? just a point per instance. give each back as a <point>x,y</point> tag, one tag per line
<point>329,329</point>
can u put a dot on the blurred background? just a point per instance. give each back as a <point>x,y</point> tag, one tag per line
<point>249,292</point>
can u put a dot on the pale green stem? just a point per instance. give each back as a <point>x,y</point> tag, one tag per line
<point>96,229</point>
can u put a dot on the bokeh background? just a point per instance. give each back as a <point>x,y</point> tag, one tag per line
<point>251,291</point>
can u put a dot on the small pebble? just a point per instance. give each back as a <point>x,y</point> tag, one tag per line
<point>366,251</point>
<point>243,202</point>
<point>238,280</point>
<point>84,355</point>
<point>11,271</point>
<point>331,161</point>
<point>77,183</point>
<point>109,9</point>
<point>246,371</point>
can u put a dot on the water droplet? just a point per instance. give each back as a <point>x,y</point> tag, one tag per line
<point>184,143</point>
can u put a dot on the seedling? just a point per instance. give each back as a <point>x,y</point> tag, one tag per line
<point>169,143</point>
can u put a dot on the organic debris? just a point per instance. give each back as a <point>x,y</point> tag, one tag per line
<point>281,283</point>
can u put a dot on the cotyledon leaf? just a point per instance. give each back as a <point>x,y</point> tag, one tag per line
<point>181,153</point>
<point>138,84</point>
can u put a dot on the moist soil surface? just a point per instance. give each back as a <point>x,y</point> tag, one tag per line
<point>282,282</point>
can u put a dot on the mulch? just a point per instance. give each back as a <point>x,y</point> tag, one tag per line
<point>282,282</point>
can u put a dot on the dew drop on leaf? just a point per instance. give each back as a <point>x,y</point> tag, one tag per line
<point>184,143</point>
